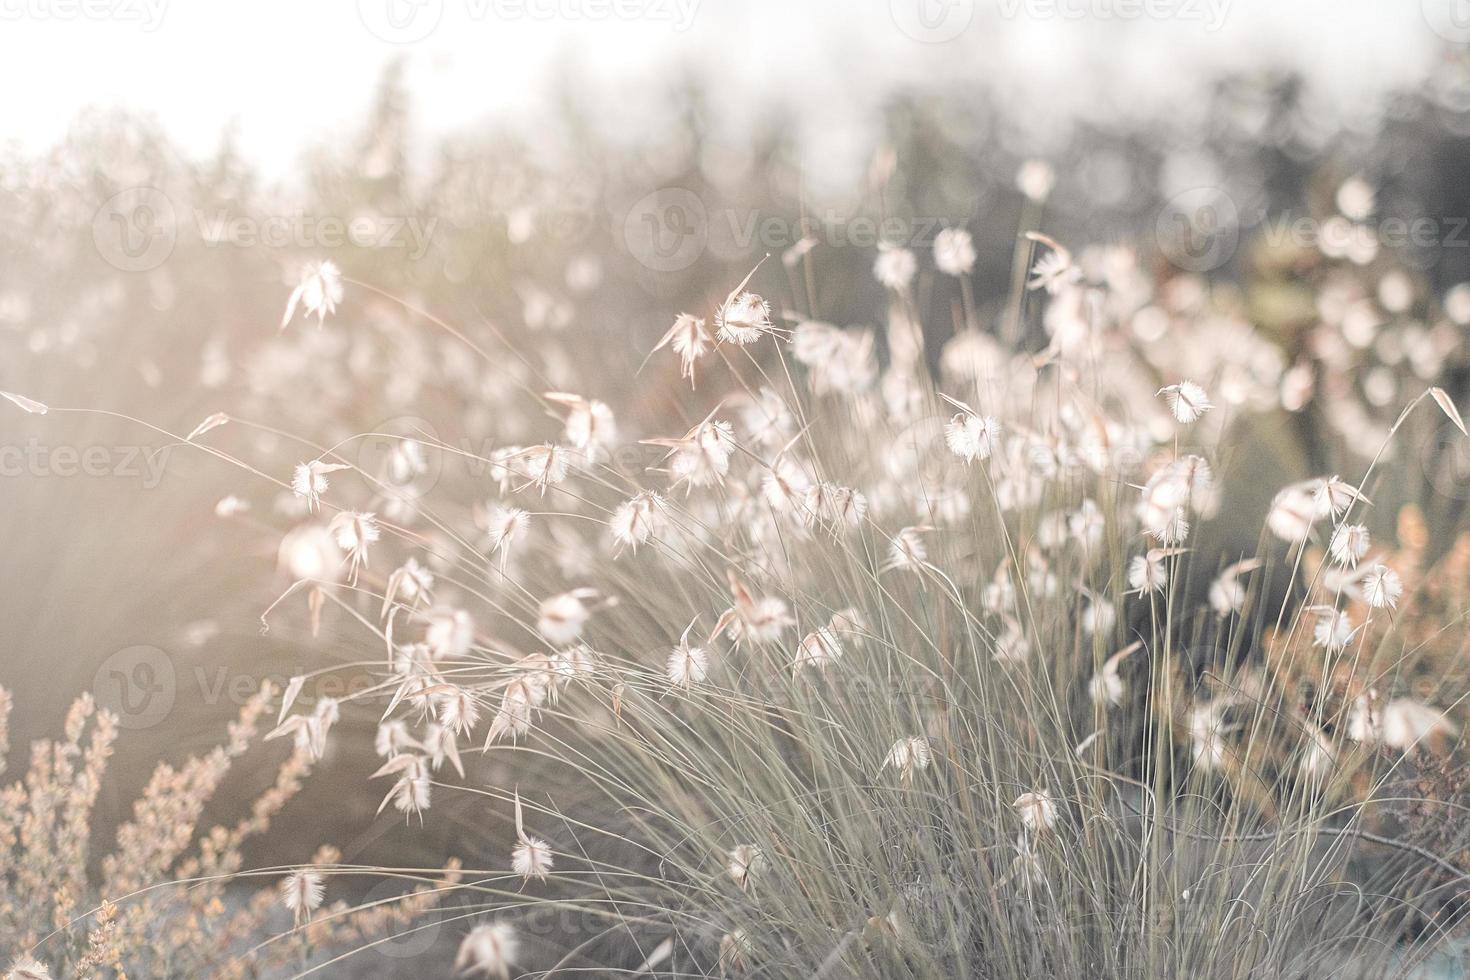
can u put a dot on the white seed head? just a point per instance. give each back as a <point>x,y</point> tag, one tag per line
<point>1349,543</point>
<point>531,858</point>
<point>745,864</point>
<point>319,291</point>
<point>687,666</point>
<point>1038,810</point>
<point>744,319</point>
<point>487,951</point>
<point>302,893</point>
<point>1381,586</point>
<point>954,252</point>
<point>895,267</point>
<point>971,436</point>
<point>1186,400</point>
<point>908,755</point>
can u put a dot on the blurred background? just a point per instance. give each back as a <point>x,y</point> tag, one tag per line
<point>1292,179</point>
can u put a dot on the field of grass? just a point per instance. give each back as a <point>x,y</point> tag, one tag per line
<point>604,562</point>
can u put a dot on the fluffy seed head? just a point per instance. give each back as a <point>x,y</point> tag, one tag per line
<point>302,893</point>
<point>1038,811</point>
<point>954,252</point>
<point>744,319</point>
<point>1186,400</point>
<point>487,951</point>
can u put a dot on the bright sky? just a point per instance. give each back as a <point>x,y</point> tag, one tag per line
<point>293,73</point>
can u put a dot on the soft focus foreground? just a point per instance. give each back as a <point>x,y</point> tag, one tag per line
<point>909,589</point>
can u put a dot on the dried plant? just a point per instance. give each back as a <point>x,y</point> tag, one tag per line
<point>818,650</point>
<point>168,901</point>
<point>884,671</point>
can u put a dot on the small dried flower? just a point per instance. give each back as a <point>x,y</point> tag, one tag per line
<point>1054,271</point>
<point>590,423</point>
<point>302,893</point>
<point>412,789</point>
<point>456,709</point>
<point>410,584</point>
<point>760,620</point>
<point>487,951</point>
<point>895,267</point>
<point>636,520</point>
<point>907,755</point>
<point>830,504</point>
<point>1227,594</point>
<point>504,527</point>
<point>354,532</point>
<point>1187,400</point>
<point>744,319</point>
<point>1098,615</point>
<point>687,665</point>
<point>1407,722</point>
<point>745,863</point>
<point>819,648</point>
<point>319,292</point>
<point>1205,723</point>
<point>1038,811</point>
<point>562,617</point>
<point>1148,573</point>
<point>1400,724</point>
<point>574,662</point>
<point>1107,686</point>
<point>1331,496</point>
<point>1318,757</point>
<point>954,252</point>
<point>1349,543</point>
<point>702,456</point>
<point>544,466</point>
<point>450,633</point>
<point>532,856</point>
<point>1334,629</point>
<point>1292,514</point>
<point>971,436</point>
<point>310,480</point>
<point>515,716</point>
<point>1381,586</point>
<point>906,551</point>
<point>28,968</point>
<point>690,339</point>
